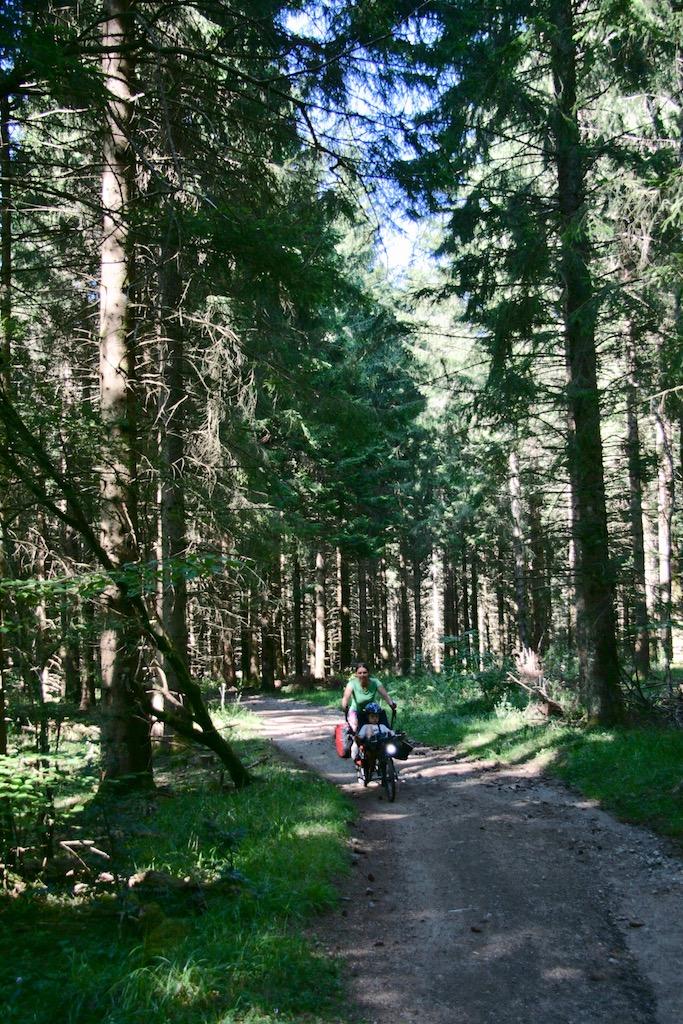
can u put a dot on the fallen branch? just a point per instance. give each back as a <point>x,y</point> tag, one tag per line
<point>528,664</point>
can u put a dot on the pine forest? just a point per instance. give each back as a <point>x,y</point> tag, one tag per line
<point>329,332</point>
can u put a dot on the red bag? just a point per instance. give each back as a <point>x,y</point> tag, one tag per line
<point>342,739</point>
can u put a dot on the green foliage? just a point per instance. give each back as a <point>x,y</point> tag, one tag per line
<point>634,772</point>
<point>264,860</point>
<point>135,578</point>
<point>25,803</point>
<point>31,810</point>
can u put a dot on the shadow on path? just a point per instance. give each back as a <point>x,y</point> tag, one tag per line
<point>490,895</point>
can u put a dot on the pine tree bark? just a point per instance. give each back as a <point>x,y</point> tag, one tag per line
<point>172,414</point>
<point>436,612</point>
<point>594,577</point>
<point>296,616</point>
<point>6,316</point>
<point>278,620</point>
<point>406,652</point>
<point>320,616</point>
<point>363,633</point>
<point>465,648</point>
<point>126,746</point>
<point>309,605</point>
<point>5,360</point>
<point>539,585</point>
<point>477,649</point>
<point>267,638</point>
<point>245,636</point>
<point>227,656</point>
<point>387,648</point>
<point>87,658</point>
<point>665,504</point>
<point>417,609</point>
<point>518,550</point>
<point>344,601</point>
<point>640,630</point>
<point>375,606</point>
<point>253,645</point>
<point>449,624</point>
<point>500,601</point>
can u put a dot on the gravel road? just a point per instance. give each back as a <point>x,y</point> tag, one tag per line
<point>489,895</point>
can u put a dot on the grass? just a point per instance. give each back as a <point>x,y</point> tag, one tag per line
<point>266,859</point>
<point>635,772</point>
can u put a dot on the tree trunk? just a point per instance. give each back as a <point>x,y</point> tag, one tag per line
<point>3,670</point>
<point>267,638</point>
<point>344,600</point>
<point>417,610</point>
<point>594,579</point>
<point>69,652</point>
<point>640,629</point>
<point>436,614</point>
<point>651,572</point>
<point>320,616</point>
<point>387,648</point>
<point>172,414</point>
<point>665,502</point>
<point>518,550</point>
<point>476,625</point>
<point>126,746</point>
<point>541,613</point>
<point>296,616</point>
<point>500,601</point>
<point>465,647</point>
<point>5,361</point>
<point>448,617</point>
<point>485,647</point>
<point>245,636</point>
<point>363,645</point>
<point>375,603</point>
<point>278,620</point>
<point>406,654</point>
<point>6,315</point>
<point>87,658</point>
<point>254,671</point>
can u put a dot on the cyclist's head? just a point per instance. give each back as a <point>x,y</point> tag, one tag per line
<point>362,671</point>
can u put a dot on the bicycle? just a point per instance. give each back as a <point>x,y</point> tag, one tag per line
<point>377,756</point>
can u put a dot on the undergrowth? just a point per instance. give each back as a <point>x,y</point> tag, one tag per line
<point>229,949</point>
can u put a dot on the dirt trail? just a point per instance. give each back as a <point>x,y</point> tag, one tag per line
<point>491,896</point>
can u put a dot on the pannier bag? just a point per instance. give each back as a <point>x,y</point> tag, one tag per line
<point>403,748</point>
<point>342,740</point>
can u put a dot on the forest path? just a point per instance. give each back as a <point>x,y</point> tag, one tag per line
<point>492,896</point>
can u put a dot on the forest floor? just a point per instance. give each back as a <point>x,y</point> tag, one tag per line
<point>489,895</point>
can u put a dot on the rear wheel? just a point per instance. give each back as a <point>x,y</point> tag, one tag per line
<point>389,778</point>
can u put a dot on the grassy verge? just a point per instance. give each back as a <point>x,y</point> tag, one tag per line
<point>635,772</point>
<point>229,949</point>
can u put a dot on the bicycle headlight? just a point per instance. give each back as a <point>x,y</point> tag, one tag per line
<point>391,748</point>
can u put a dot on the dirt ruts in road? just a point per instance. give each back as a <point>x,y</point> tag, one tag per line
<point>492,896</point>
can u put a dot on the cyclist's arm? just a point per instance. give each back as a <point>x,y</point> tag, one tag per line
<point>383,693</point>
<point>348,692</point>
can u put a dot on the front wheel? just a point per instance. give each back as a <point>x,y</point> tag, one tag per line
<point>389,778</point>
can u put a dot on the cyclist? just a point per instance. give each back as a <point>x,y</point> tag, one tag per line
<point>360,691</point>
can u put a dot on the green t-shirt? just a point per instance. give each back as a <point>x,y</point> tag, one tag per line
<point>361,697</point>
